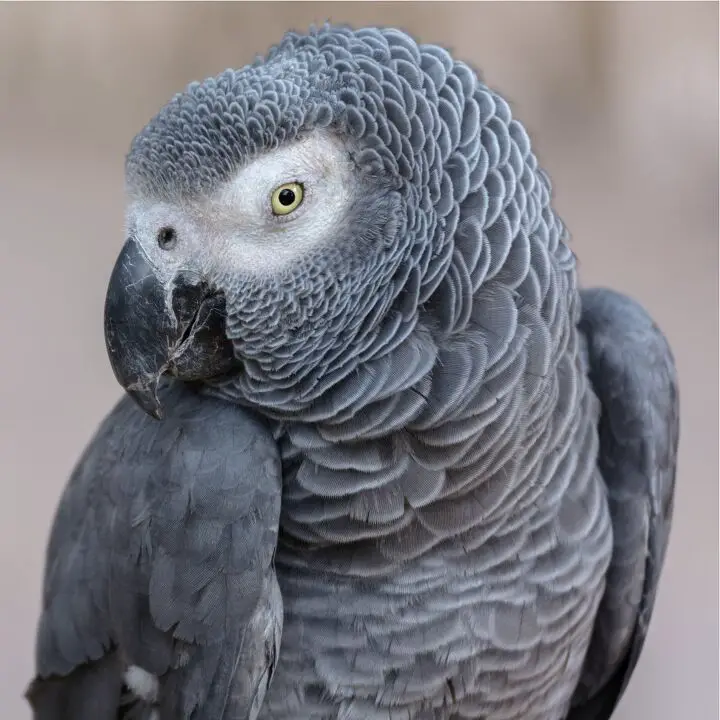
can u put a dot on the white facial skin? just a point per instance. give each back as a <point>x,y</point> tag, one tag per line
<point>235,232</point>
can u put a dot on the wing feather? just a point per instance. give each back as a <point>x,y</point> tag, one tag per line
<point>161,556</point>
<point>634,375</point>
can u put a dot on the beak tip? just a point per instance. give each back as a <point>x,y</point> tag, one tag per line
<point>147,400</point>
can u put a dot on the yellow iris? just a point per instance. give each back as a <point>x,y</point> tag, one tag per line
<point>286,198</point>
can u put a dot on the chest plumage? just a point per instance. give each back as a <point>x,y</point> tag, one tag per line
<point>443,547</point>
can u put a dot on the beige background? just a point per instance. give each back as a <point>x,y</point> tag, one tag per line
<point>622,100</point>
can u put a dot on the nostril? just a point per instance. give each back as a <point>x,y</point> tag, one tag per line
<point>167,238</point>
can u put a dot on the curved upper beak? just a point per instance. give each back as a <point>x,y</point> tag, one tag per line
<point>154,328</point>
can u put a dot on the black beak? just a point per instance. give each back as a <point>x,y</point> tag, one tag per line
<point>152,329</point>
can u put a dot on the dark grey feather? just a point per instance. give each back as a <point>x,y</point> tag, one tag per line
<point>161,557</point>
<point>91,691</point>
<point>634,375</point>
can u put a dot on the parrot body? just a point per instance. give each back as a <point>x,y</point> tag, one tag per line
<point>352,239</point>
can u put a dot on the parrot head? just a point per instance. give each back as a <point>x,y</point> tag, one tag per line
<point>290,220</point>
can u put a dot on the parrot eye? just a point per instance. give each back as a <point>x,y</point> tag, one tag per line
<point>166,238</point>
<point>286,198</point>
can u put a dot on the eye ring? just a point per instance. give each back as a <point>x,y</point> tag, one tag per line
<point>286,198</point>
<point>167,238</point>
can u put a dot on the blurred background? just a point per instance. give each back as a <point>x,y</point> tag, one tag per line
<point>621,100</point>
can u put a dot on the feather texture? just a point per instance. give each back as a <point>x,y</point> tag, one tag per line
<point>161,559</point>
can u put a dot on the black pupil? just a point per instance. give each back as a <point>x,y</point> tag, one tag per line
<point>286,197</point>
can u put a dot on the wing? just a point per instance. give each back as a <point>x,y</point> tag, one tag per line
<point>78,671</point>
<point>633,373</point>
<point>160,555</point>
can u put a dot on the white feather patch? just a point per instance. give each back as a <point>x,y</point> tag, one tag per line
<point>143,684</point>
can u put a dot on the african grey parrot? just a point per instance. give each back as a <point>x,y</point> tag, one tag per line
<point>345,289</point>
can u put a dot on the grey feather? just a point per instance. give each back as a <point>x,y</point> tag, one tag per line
<point>90,691</point>
<point>161,557</point>
<point>633,372</point>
